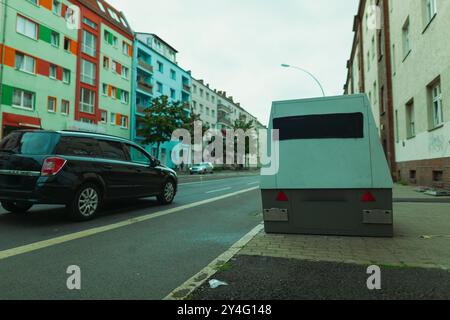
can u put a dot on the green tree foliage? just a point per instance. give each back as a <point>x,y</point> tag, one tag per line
<point>161,119</point>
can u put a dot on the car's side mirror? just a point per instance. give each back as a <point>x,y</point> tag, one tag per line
<point>155,162</point>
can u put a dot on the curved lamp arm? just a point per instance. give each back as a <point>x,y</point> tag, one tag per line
<point>308,73</point>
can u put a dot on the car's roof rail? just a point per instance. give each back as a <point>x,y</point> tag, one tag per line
<point>93,134</point>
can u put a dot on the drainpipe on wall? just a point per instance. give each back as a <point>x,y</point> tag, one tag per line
<point>133,91</point>
<point>5,5</point>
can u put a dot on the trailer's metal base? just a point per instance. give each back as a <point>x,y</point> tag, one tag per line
<point>338,212</point>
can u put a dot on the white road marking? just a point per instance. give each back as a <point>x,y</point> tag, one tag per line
<point>183,291</point>
<point>219,190</point>
<point>87,233</point>
<point>251,183</point>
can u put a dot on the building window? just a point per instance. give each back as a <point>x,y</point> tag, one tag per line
<point>173,75</point>
<point>106,63</point>
<point>406,36</point>
<point>65,107</point>
<point>112,119</point>
<point>172,94</point>
<point>160,67</point>
<point>56,7</point>
<point>410,120</point>
<point>88,72</point>
<point>87,101</point>
<point>438,176</point>
<point>124,122</point>
<point>25,63</point>
<point>213,113</point>
<point>114,92</point>
<point>23,99</point>
<point>104,117</point>
<point>125,48</point>
<point>114,66</point>
<point>368,61</point>
<point>89,45</point>
<point>67,44</point>
<point>52,73</point>
<point>125,72</point>
<point>397,134</point>
<point>159,87</point>
<point>430,10</point>
<point>66,76</point>
<point>105,89</point>
<point>375,90</point>
<point>55,39</point>
<point>436,104</point>
<point>124,96</point>
<point>51,104</point>
<point>26,27</point>
<point>90,23</point>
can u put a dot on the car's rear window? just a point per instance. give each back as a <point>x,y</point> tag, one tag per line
<point>30,143</point>
<point>326,126</point>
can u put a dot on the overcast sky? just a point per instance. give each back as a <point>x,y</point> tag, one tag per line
<point>238,45</point>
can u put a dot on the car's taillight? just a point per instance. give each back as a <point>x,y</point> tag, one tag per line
<point>52,166</point>
<point>368,197</point>
<point>282,197</point>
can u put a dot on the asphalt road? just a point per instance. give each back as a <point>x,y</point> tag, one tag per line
<point>141,259</point>
<point>266,278</point>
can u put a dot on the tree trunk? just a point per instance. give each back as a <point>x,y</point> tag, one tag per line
<point>157,150</point>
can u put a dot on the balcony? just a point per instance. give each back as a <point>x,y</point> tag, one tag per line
<point>145,87</point>
<point>144,65</point>
<point>223,119</point>
<point>223,108</point>
<point>186,87</point>
<point>141,108</point>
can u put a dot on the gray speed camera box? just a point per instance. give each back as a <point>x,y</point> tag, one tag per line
<point>333,176</point>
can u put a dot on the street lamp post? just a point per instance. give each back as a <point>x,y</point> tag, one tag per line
<point>308,73</point>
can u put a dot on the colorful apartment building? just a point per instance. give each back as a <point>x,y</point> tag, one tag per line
<point>65,65</point>
<point>38,65</point>
<point>157,73</point>
<point>103,88</point>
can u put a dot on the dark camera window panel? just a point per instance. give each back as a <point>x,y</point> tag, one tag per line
<point>326,126</point>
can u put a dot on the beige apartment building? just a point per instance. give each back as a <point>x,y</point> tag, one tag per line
<point>414,76</point>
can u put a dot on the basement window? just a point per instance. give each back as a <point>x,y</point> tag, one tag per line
<point>438,176</point>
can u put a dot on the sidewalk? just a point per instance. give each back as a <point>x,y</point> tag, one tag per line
<point>417,259</point>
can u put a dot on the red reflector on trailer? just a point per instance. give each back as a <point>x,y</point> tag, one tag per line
<point>368,197</point>
<point>282,197</point>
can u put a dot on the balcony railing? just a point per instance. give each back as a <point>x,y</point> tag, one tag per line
<point>224,120</point>
<point>186,87</point>
<point>144,86</point>
<point>144,65</point>
<point>141,108</point>
<point>223,108</point>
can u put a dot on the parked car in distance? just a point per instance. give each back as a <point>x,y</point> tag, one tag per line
<point>202,168</point>
<point>79,170</point>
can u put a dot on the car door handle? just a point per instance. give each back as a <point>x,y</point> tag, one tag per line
<point>107,167</point>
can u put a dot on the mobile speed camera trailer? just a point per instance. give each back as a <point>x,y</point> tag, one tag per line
<point>333,176</point>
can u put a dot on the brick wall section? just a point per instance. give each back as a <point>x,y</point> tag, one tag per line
<point>424,172</point>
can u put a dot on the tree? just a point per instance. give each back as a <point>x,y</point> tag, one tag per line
<point>161,119</point>
<point>242,124</point>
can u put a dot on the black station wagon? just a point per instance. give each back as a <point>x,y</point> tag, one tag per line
<point>79,170</point>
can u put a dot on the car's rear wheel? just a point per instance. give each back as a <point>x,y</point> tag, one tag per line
<point>167,193</point>
<point>16,207</point>
<point>86,203</point>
